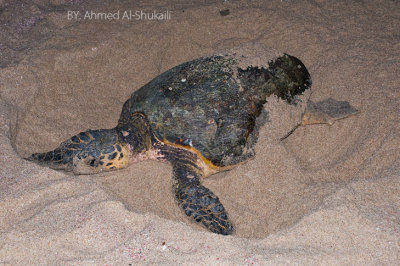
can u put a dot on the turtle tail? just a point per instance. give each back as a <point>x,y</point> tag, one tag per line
<point>88,152</point>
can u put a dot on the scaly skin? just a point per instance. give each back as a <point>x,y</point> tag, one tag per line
<point>198,201</point>
<point>107,149</point>
<point>88,152</point>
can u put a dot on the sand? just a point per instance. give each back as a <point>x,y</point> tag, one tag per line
<point>325,195</point>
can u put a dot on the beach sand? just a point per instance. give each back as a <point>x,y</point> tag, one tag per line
<point>324,195</point>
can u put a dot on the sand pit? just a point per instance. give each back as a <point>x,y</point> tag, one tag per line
<point>324,195</point>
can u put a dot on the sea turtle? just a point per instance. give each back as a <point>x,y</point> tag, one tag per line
<point>203,117</point>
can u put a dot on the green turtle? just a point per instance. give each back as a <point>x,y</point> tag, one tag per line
<point>203,117</point>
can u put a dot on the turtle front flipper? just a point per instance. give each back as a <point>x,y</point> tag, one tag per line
<point>198,201</point>
<point>327,112</point>
<point>88,152</point>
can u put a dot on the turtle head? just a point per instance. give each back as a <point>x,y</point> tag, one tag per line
<point>135,131</point>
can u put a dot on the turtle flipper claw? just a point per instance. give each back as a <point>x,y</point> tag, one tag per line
<point>199,202</point>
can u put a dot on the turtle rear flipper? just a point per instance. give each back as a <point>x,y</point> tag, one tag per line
<point>198,201</point>
<point>327,112</point>
<point>88,152</point>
